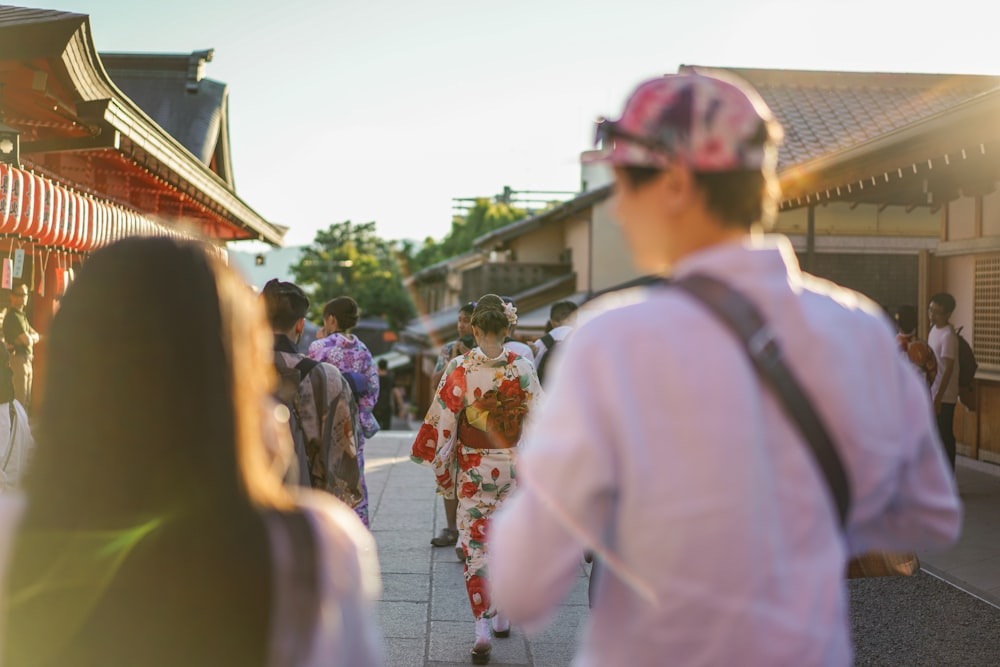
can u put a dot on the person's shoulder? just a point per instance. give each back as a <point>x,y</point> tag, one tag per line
<point>346,546</point>
<point>333,520</point>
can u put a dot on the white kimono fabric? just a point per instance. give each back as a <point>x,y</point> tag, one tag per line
<point>16,444</point>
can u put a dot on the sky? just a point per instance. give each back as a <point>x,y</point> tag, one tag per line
<point>387,110</point>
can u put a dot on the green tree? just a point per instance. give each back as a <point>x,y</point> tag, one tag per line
<point>350,259</point>
<point>484,217</point>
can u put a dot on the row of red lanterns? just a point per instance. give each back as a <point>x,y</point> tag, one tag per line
<point>36,210</point>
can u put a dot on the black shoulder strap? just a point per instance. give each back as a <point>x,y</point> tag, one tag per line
<point>305,366</point>
<point>549,341</point>
<point>744,320</point>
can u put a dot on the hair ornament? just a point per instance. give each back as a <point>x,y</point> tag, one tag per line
<point>510,312</point>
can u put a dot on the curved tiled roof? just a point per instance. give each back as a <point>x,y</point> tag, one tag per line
<point>826,112</point>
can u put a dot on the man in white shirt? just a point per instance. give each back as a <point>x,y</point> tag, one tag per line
<point>944,341</point>
<point>659,448</point>
<point>561,316</point>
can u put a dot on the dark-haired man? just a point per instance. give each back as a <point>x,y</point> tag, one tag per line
<point>661,449</point>
<point>944,391</point>
<point>560,324</point>
<point>20,338</point>
<point>324,416</point>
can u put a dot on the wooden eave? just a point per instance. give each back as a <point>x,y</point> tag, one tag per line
<point>77,126</point>
<point>920,165</point>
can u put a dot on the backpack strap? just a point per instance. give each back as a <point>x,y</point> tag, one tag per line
<point>743,319</point>
<point>295,581</point>
<point>549,342</point>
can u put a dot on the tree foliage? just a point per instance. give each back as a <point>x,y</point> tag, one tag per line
<point>486,216</point>
<point>350,259</point>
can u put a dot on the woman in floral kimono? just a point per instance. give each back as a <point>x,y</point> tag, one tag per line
<point>476,416</point>
<point>352,358</point>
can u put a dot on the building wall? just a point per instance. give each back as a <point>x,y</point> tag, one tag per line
<point>991,214</point>
<point>543,245</point>
<point>839,219</point>
<point>961,219</point>
<point>611,264</point>
<point>577,234</point>
<point>888,279</point>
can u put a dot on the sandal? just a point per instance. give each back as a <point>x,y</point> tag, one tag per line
<point>501,626</point>
<point>446,538</point>
<point>482,648</point>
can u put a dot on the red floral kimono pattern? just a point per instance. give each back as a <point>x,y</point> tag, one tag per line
<point>484,401</point>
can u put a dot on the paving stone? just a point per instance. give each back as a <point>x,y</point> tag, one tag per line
<point>405,652</point>
<point>451,642</point>
<point>403,620</point>
<point>405,587</point>
<point>546,654</point>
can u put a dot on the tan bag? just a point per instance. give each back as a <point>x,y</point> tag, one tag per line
<point>883,564</point>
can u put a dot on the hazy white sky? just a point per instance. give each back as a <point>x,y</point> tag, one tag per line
<point>385,110</point>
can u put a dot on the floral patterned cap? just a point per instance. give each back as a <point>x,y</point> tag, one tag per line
<point>709,123</point>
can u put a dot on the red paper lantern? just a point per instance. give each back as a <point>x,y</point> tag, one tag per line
<point>9,207</point>
<point>45,209</point>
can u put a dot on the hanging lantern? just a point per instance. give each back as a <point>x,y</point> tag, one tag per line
<point>14,203</point>
<point>5,187</point>
<point>28,221</point>
<point>45,206</point>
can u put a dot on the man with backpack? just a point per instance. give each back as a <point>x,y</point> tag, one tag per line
<point>561,316</point>
<point>944,341</point>
<point>323,416</point>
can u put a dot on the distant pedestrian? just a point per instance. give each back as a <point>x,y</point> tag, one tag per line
<point>350,355</point>
<point>386,387</point>
<point>450,350</point>
<point>154,528</point>
<point>917,351</point>
<point>561,319</point>
<point>324,415</point>
<point>20,338</point>
<point>944,392</point>
<point>665,451</point>
<point>16,442</point>
<point>476,419</point>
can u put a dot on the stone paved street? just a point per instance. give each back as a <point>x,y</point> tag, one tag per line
<point>426,620</point>
<point>424,610</point>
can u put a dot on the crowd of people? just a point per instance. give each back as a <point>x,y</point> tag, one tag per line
<point>194,448</point>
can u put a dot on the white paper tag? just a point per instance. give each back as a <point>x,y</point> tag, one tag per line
<point>18,262</point>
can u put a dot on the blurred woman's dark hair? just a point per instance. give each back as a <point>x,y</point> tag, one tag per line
<point>142,542</point>
<point>489,315</point>
<point>345,309</point>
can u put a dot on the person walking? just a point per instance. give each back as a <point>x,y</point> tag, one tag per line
<point>475,420</point>
<point>455,348</point>
<point>154,528</point>
<point>669,455</point>
<point>323,422</point>
<point>350,355</point>
<point>944,391</point>
<point>20,338</point>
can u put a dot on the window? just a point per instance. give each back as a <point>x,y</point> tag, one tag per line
<point>986,311</point>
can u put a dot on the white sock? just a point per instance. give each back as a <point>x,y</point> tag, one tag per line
<point>483,630</point>
<point>500,622</point>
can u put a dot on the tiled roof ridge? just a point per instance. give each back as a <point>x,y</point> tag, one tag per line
<point>759,77</point>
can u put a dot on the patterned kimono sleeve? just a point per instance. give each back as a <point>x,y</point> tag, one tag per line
<point>340,438</point>
<point>316,350</point>
<point>368,401</point>
<point>435,442</point>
